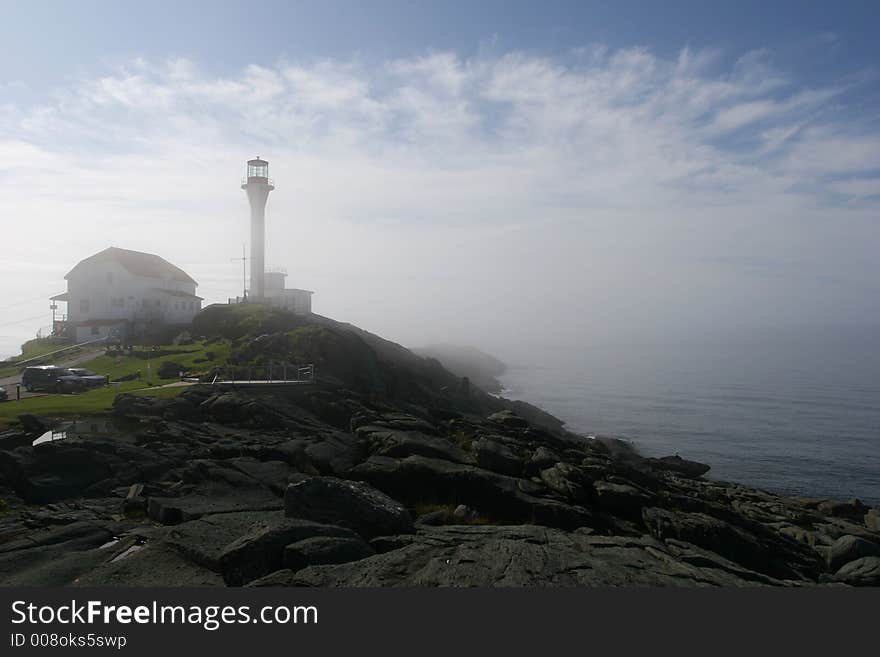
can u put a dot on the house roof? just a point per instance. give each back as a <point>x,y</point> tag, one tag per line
<point>60,297</point>
<point>138,264</point>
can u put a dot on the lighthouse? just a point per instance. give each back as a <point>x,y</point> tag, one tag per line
<point>257,184</point>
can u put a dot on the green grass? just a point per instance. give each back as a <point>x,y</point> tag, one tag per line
<point>34,349</point>
<point>40,346</point>
<point>98,400</point>
<point>185,355</point>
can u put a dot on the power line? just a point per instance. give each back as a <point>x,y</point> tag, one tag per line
<point>22,321</point>
<point>21,303</point>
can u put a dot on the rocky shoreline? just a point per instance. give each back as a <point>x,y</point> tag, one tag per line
<point>405,478</point>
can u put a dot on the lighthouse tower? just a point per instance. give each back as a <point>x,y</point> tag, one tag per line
<point>258,185</point>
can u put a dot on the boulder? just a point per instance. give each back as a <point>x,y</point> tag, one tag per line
<point>543,458</point>
<point>763,551</point>
<point>496,456</point>
<point>464,512</point>
<point>261,550</point>
<point>170,370</point>
<point>567,480</point>
<point>34,424</point>
<point>319,550</point>
<point>622,498</point>
<point>400,444</point>
<point>861,572</point>
<point>351,504</point>
<point>433,518</point>
<point>508,419</point>
<point>679,466</point>
<point>417,479</point>
<point>872,520</point>
<point>852,510</point>
<point>173,510</point>
<point>849,548</point>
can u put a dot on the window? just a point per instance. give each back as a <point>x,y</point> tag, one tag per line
<point>84,305</point>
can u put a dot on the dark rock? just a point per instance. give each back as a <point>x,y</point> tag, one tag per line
<point>152,565</point>
<point>170,370</point>
<point>680,466</point>
<point>567,480</point>
<point>621,498</point>
<point>55,556</point>
<point>508,418</point>
<point>261,550</point>
<point>464,512</point>
<point>496,456</point>
<point>417,479</point>
<point>400,444</point>
<point>387,543</point>
<point>543,458</point>
<point>283,577</point>
<point>861,572</point>
<point>852,510</point>
<point>519,556</point>
<point>173,510</point>
<point>131,405</point>
<point>767,553</point>
<point>351,504</point>
<point>319,550</point>
<point>34,424</point>
<point>237,409</point>
<point>334,453</point>
<point>203,540</point>
<point>433,518</point>
<point>850,548</point>
<point>872,520</point>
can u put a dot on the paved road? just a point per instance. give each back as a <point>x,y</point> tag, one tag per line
<point>11,381</point>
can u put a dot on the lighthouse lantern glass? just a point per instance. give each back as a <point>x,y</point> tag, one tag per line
<point>258,169</point>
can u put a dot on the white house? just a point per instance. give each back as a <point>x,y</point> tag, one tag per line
<point>275,294</point>
<point>128,292</point>
<point>292,299</point>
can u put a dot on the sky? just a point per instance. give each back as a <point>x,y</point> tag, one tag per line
<point>503,174</point>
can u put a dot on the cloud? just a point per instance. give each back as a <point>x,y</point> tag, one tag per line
<point>437,182</point>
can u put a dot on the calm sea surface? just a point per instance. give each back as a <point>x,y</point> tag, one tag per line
<point>784,412</point>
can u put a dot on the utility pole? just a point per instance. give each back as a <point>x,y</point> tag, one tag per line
<point>244,260</point>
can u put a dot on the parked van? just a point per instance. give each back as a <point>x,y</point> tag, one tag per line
<point>51,379</point>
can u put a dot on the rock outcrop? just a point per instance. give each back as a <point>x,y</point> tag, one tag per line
<point>319,486</point>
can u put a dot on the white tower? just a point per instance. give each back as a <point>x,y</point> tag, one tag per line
<point>258,185</point>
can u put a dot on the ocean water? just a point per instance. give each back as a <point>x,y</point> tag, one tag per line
<point>789,412</point>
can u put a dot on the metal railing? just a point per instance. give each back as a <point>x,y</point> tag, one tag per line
<point>246,180</point>
<point>277,373</point>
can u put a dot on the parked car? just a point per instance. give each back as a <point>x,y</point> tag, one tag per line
<point>3,394</point>
<point>91,379</point>
<point>51,379</point>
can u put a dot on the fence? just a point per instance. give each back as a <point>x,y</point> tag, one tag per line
<point>273,373</point>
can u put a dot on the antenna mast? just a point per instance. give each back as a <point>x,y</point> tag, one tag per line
<point>244,260</point>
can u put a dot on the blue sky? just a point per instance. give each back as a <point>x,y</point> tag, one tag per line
<point>45,43</point>
<point>610,168</point>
